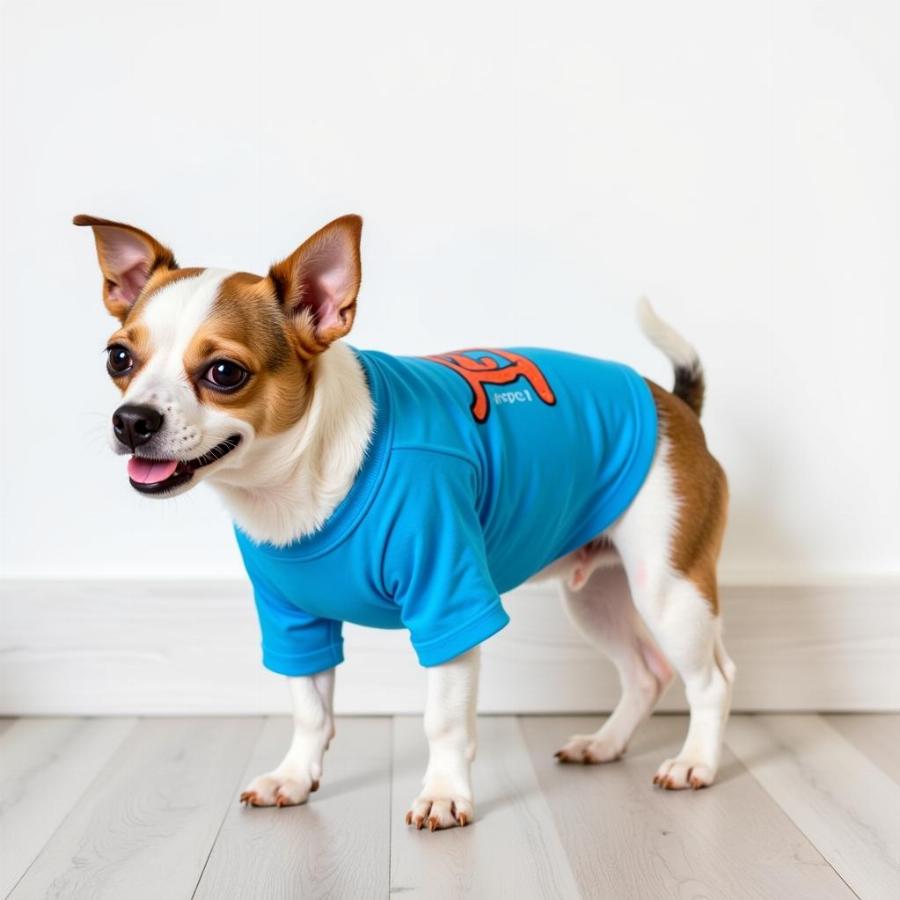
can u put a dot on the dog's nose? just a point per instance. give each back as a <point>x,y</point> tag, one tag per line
<point>135,424</point>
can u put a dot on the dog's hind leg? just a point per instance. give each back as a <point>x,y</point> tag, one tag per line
<point>669,541</point>
<point>604,612</point>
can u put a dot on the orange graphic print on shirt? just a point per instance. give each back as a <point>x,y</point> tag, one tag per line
<point>484,370</point>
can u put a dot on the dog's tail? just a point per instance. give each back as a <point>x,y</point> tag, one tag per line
<point>690,384</point>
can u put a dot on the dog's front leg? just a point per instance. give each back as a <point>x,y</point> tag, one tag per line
<point>299,773</point>
<point>450,713</point>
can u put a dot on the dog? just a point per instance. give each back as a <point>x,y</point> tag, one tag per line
<point>412,492</point>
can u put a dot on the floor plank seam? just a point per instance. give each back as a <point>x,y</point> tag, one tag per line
<point>825,721</point>
<point>550,821</point>
<point>390,809</point>
<point>261,720</point>
<point>806,835</point>
<point>785,813</point>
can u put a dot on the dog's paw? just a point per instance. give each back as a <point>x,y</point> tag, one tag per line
<point>275,789</point>
<point>683,772</point>
<point>589,749</point>
<point>435,813</point>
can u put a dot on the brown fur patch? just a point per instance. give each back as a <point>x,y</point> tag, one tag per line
<point>247,326</point>
<point>702,491</point>
<point>136,338</point>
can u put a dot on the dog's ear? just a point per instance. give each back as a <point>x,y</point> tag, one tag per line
<point>128,257</point>
<point>318,283</point>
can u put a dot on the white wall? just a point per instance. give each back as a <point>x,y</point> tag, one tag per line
<point>526,171</point>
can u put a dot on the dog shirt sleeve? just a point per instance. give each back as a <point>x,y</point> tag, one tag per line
<point>436,565</point>
<point>293,641</point>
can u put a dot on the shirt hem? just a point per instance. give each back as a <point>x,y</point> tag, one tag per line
<point>436,651</point>
<point>296,664</point>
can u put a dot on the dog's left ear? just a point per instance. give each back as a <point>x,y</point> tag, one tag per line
<point>318,283</point>
<point>127,257</point>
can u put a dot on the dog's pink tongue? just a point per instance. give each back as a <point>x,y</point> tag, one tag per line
<point>150,471</point>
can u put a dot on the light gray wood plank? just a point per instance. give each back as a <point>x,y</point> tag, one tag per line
<point>846,805</point>
<point>45,767</point>
<point>145,827</point>
<point>511,850</point>
<point>629,839</point>
<point>878,736</point>
<point>334,846</point>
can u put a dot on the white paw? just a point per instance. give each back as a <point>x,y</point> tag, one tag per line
<point>435,813</point>
<point>589,748</point>
<point>683,772</point>
<point>276,789</point>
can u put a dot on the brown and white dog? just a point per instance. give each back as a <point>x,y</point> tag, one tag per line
<point>242,381</point>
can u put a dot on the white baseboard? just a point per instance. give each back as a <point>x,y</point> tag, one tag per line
<point>119,647</point>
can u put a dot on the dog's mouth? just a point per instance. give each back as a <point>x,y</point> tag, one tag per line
<point>158,476</point>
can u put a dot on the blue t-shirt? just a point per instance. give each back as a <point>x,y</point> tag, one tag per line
<point>484,467</point>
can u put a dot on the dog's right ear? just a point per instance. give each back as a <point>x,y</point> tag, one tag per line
<point>128,257</point>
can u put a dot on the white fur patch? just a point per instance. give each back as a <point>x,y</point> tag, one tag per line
<point>172,318</point>
<point>665,338</point>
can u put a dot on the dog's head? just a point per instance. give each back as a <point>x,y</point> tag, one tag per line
<point>209,361</point>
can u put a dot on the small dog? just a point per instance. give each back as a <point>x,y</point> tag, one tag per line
<point>411,492</point>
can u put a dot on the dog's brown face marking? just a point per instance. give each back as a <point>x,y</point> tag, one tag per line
<point>135,338</point>
<point>247,326</point>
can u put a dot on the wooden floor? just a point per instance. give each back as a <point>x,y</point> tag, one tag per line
<point>806,806</point>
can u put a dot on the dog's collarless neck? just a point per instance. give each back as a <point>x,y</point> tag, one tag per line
<point>351,509</point>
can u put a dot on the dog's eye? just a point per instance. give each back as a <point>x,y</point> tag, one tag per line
<point>118,360</point>
<point>225,375</point>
